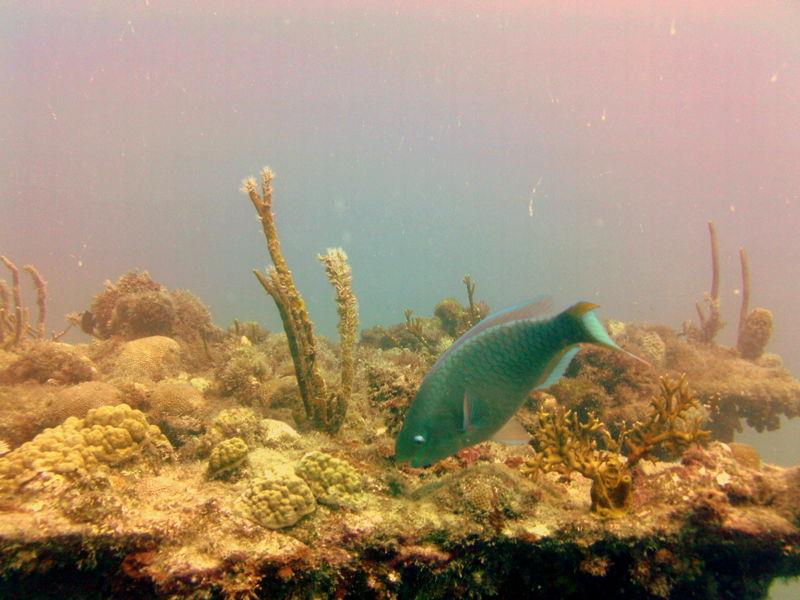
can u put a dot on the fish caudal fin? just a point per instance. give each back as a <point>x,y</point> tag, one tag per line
<point>584,312</point>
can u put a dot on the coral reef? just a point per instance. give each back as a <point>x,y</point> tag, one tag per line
<point>618,390</point>
<point>324,408</point>
<point>620,493</point>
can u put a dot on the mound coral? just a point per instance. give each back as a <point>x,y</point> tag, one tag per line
<point>103,305</point>
<point>107,436</point>
<point>227,458</point>
<point>754,334</point>
<point>147,359</point>
<point>178,408</point>
<point>277,501</point>
<point>333,481</point>
<point>142,315</point>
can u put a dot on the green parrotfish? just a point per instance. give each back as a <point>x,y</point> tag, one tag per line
<point>475,388</point>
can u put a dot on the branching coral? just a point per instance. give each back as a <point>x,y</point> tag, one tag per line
<point>14,316</point>
<point>326,409</point>
<point>673,424</point>
<point>565,444</point>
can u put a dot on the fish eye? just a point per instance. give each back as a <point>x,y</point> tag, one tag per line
<point>418,439</point>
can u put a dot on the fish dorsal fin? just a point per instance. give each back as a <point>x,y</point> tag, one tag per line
<point>560,365</point>
<point>529,310</point>
<point>512,433</point>
<point>581,308</point>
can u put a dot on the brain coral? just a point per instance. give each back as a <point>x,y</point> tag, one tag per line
<point>333,481</point>
<point>278,501</point>
<point>109,435</point>
<point>150,358</point>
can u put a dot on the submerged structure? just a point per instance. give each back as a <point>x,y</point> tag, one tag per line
<point>169,458</point>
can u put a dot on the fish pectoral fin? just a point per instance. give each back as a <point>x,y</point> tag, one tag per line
<point>558,368</point>
<point>467,408</point>
<point>512,433</point>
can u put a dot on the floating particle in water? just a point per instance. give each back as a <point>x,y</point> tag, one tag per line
<point>531,197</point>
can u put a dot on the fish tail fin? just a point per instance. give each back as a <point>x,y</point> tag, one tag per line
<point>597,334</point>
